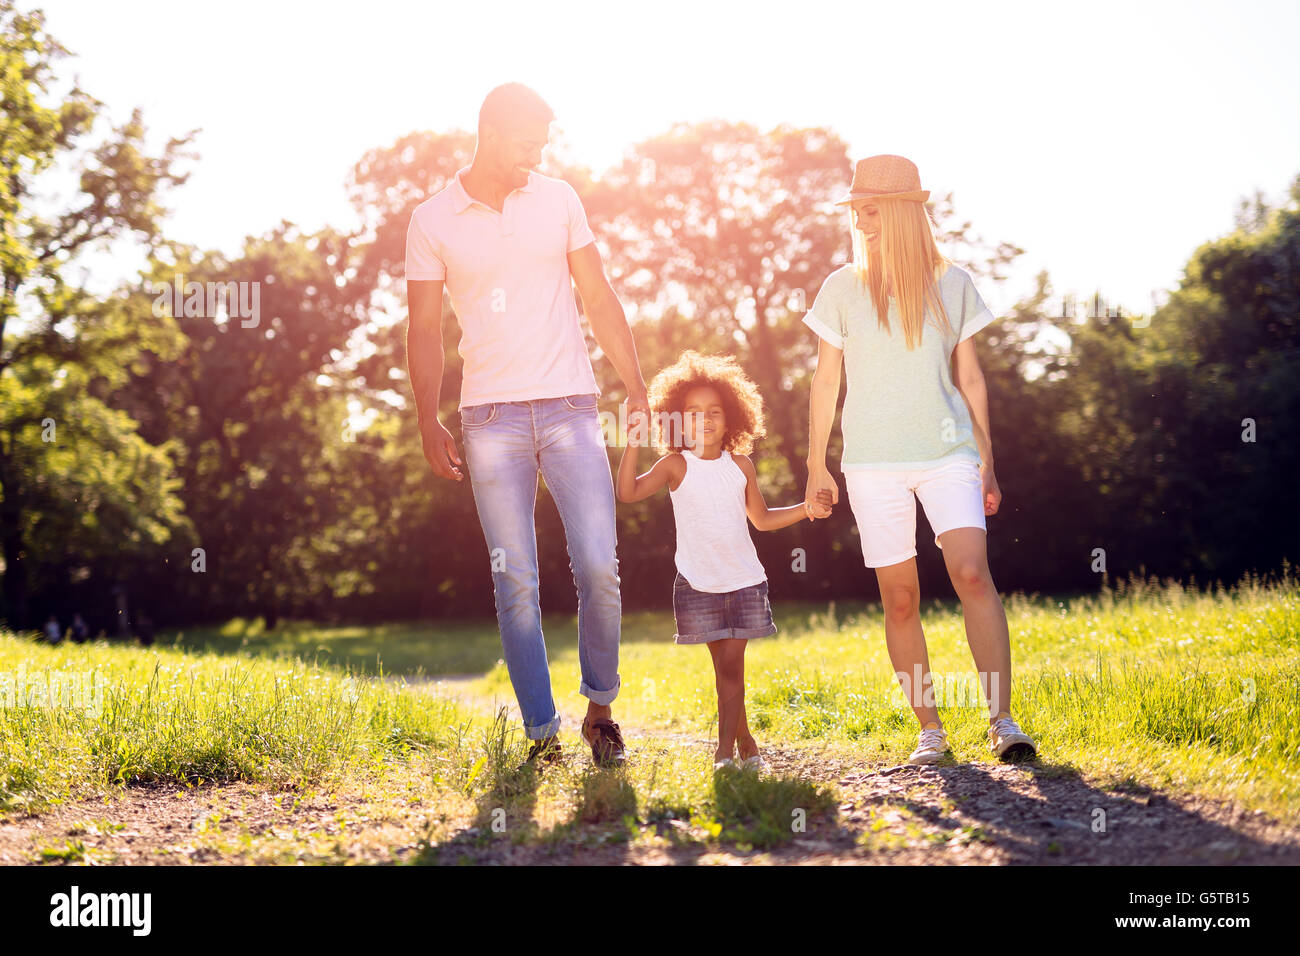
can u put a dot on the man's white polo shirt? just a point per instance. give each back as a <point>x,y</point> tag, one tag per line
<point>508,277</point>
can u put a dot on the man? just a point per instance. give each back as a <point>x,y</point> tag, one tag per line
<point>506,242</point>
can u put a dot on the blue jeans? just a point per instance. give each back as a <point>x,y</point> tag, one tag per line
<point>506,444</point>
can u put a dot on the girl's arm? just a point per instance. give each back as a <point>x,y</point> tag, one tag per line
<point>763,517</point>
<point>821,415</point>
<point>969,379</point>
<point>668,470</point>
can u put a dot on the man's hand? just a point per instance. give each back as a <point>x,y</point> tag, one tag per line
<point>992,494</point>
<point>440,450</point>
<point>638,409</point>
<point>822,492</point>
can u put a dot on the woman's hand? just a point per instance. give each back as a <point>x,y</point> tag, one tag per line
<point>821,508</point>
<point>821,487</point>
<point>992,494</point>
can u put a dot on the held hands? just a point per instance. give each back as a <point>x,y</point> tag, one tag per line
<point>638,419</point>
<point>821,508</point>
<point>821,494</point>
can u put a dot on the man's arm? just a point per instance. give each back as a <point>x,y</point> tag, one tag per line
<point>424,362</point>
<point>609,324</point>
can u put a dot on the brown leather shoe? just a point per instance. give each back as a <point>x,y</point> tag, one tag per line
<point>544,751</point>
<point>605,740</point>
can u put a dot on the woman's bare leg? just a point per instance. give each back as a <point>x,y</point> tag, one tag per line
<point>965,552</point>
<point>900,593</point>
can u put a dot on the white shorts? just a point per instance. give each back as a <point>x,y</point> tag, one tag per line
<point>884,506</point>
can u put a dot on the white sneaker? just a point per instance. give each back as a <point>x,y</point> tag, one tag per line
<point>931,748</point>
<point>1008,741</point>
<point>755,763</point>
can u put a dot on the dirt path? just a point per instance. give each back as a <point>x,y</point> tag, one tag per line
<point>460,687</point>
<point>959,814</point>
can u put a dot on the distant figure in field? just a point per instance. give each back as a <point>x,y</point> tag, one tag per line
<point>507,243</point>
<point>79,631</point>
<point>53,632</point>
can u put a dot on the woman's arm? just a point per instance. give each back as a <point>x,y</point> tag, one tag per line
<point>969,379</point>
<point>630,487</point>
<point>825,393</point>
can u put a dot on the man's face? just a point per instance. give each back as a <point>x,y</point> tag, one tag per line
<point>868,222</point>
<point>518,149</point>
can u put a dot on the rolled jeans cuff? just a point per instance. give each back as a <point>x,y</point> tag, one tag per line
<point>604,697</point>
<point>548,729</point>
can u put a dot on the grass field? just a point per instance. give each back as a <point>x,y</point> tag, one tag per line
<point>1149,685</point>
<point>1172,687</point>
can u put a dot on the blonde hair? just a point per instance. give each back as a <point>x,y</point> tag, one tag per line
<point>907,254</point>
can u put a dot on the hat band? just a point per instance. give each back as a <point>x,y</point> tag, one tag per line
<point>911,195</point>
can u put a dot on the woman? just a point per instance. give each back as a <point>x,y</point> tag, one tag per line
<point>901,318</point>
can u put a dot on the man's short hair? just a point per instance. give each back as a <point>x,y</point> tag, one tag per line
<point>512,105</point>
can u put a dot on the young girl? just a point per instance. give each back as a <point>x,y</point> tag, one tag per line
<point>709,413</point>
<point>900,319</point>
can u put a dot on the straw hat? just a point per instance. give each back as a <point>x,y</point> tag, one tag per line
<point>885,177</point>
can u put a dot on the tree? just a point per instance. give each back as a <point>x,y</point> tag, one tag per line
<point>256,402</point>
<point>75,477</point>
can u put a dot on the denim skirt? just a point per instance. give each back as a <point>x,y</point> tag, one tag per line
<point>703,616</point>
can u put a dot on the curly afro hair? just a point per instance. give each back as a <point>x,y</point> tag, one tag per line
<point>741,402</point>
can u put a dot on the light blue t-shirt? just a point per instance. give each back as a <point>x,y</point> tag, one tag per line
<point>902,409</point>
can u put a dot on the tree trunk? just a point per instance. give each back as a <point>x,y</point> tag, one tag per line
<point>15,575</point>
<point>15,587</point>
<point>122,612</point>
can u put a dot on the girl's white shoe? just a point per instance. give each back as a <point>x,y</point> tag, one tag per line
<point>755,763</point>
<point>722,764</point>
<point>931,747</point>
<point>1008,741</point>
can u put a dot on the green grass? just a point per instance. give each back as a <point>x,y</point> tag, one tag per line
<point>82,720</point>
<point>426,648</point>
<point>1195,690</point>
<point>1198,690</point>
<point>132,716</point>
<point>664,796</point>
<point>1148,684</point>
<point>405,648</point>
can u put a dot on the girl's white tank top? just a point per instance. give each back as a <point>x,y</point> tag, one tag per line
<point>714,550</point>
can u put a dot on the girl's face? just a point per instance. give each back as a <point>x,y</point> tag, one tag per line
<point>703,421</point>
<point>868,222</point>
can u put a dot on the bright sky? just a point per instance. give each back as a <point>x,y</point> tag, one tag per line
<point>1109,140</point>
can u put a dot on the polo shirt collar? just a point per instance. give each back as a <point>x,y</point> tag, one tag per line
<point>464,200</point>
